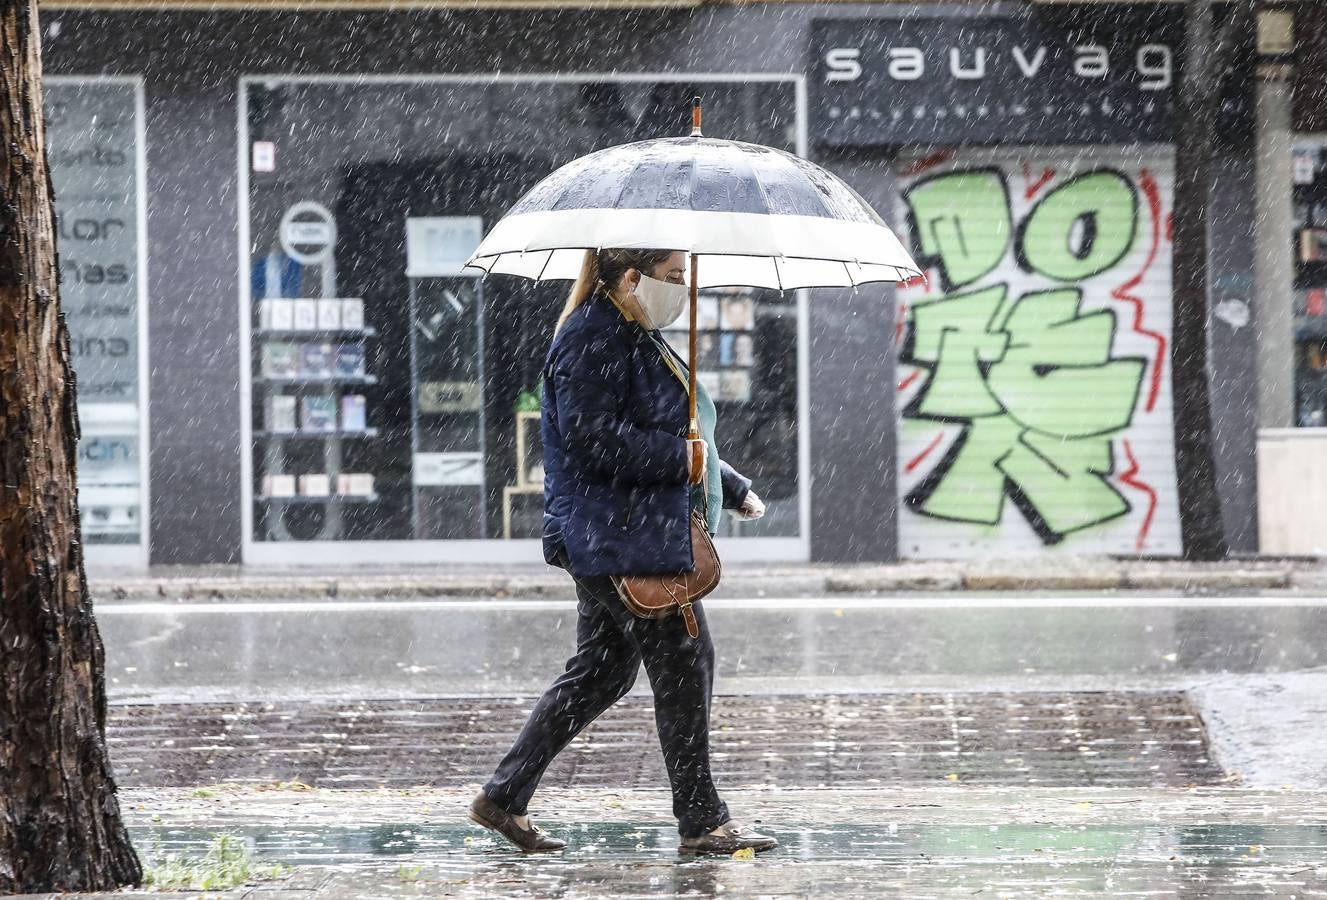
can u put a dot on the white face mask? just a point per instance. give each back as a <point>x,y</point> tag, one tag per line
<point>663,301</point>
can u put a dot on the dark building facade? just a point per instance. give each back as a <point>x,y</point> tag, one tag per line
<point>263,215</point>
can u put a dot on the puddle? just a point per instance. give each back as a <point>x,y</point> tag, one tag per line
<point>463,847</point>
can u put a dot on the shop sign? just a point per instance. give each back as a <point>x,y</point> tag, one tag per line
<point>1043,77</point>
<point>308,233</point>
<point>438,246</point>
<point>444,469</point>
<point>92,135</point>
<point>449,396</point>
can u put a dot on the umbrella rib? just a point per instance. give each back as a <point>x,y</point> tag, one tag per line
<point>544,267</point>
<point>626,183</point>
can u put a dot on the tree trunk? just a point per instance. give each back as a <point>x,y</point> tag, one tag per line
<point>60,827</point>
<point>1201,527</point>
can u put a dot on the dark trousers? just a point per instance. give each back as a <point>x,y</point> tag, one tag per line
<point>611,643</point>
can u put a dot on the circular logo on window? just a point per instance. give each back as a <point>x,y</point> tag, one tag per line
<point>308,232</point>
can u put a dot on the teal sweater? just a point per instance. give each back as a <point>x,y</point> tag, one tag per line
<point>709,496</point>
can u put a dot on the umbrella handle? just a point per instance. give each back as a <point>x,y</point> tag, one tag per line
<point>694,429</point>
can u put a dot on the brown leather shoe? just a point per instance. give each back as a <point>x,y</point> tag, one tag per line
<point>484,811</point>
<point>728,838</point>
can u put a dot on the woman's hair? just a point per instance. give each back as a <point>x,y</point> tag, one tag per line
<point>603,268</point>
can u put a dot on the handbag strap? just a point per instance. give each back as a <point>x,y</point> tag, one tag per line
<point>675,364</point>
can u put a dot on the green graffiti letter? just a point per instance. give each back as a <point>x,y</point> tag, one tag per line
<point>972,488</point>
<point>954,334</point>
<point>1034,383</point>
<point>962,221</point>
<point>1081,228</point>
<point>1064,481</point>
<point>1058,377</point>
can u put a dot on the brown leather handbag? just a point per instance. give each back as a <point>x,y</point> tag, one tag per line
<point>657,596</point>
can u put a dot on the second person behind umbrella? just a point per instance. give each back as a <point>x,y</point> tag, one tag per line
<point>618,495</point>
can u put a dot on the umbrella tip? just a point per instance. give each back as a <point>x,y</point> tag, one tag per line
<point>695,117</point>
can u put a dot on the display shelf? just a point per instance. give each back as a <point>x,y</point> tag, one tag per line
<point>287,333</point>
<point>287,380</point>
<point>330,498</point>
<point>363,433</point>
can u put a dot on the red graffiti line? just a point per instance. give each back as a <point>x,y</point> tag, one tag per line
<point>1123,292</point>
<point>907,382</point>
<point>1047,175</point>
<point>900,322</point>
<point>1129,479</point>
<point>927,162</point>
<point>917,460</point>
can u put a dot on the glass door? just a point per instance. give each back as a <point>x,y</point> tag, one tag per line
<point>446,366</point>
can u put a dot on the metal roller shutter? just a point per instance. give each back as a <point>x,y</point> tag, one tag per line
<point>1034,391</point>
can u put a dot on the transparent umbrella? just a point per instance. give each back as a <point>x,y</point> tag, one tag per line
<point>746,215</point>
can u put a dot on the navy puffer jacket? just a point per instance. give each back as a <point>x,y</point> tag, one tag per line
<point>616,493</point>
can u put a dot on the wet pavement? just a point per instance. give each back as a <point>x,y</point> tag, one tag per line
<point>238,650</point>
<point>776,741</point>
<point>912,746</point>
<point>904,842</point>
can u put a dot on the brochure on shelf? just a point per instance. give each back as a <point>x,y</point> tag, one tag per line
<point>744,350</point>
<point>1304,164</point>
<point>317,360</point>
<point>354,415</point>
<point>739,314</point>
<point>315,485</point>
<point>306,315</point>
<point>283,315</point>
<point>355,484</point>
<point>707,313</point>
<point>727,349</point>
<point>280,360</point>
<point>280,413</point>
<point>352,313</point>
<point>1312,244</point>
<point>278,485</point>
<point>319,414</point>
<point>1315,302</point>
<point>350,361</point>
<point>329,314</point>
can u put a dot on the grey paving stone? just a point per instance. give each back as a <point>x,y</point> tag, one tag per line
<point>1072,738</point>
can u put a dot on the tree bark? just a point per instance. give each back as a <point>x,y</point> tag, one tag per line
<point>1205,61</point>
<point>60,827</point>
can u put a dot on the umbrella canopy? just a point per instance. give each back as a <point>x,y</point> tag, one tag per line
<point>754,215</point>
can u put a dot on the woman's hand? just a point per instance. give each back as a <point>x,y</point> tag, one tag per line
<point>752,507</point>
<point>697,454</point>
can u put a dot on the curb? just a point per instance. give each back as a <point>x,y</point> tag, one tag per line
<point>755,582</point>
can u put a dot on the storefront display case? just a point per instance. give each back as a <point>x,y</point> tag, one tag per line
<point>374,190</point>
<point>1309,192</point>
<point>97,159</point>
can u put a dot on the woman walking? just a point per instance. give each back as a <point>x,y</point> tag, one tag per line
<point>618,494</point>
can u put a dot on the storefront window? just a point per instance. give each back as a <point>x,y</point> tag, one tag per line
<point>1309,186</point>
<point>395,396</point>
<point>92,133</point>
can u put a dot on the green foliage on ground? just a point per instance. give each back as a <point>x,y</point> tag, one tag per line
<point>227,864</point>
